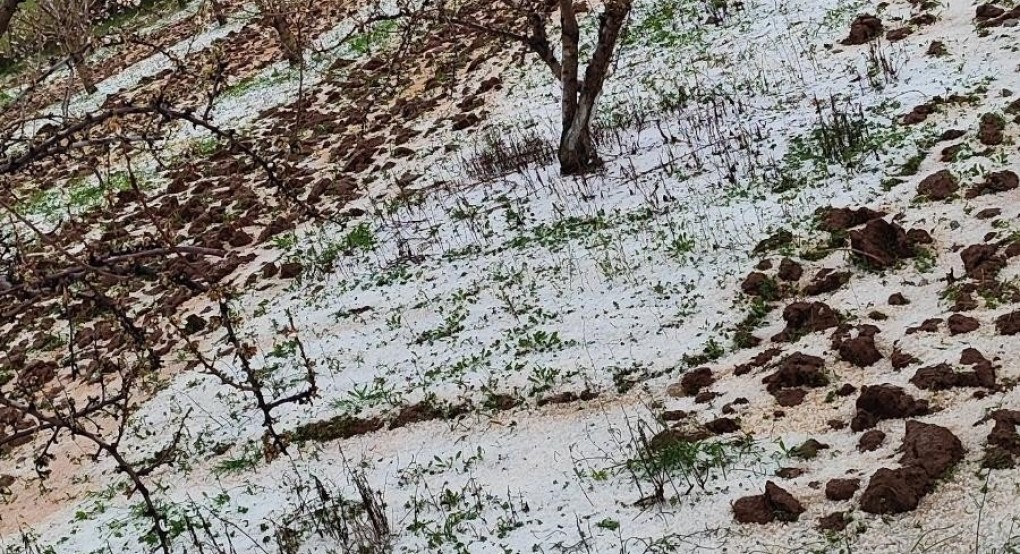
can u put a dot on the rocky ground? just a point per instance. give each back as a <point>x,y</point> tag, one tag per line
<point>782,317</point>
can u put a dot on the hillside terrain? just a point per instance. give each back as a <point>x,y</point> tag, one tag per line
<point>353,305</point>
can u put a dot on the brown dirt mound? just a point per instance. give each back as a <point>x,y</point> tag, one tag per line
<point>695,380</point>
<point>863,29</point>
<point>881,244</point>
<point>938,186</point>
<point>995,182</point>
<point>806,317</point>
<point>943,377</point>
<point>1008,324</point>
<point>775,504</point>
<point>961,324</point>
<point>841,489</point>
<point>990,130</point>
<point>879,402</point>
<point>871,440</point>
<point>836,521</point>
<point>842,219</point>
<point>1003,440</point>
<point>797,370</point>
<point>982,262</point>
<point>859,350</point>
<point>825,281</point>
<point>790,270</point>
<point>928,452</point>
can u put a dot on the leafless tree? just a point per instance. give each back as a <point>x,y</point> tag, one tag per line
<point>98,415</point>
<point>580,92</point>
<point>283,17</point>
<point>252,381</point>
<point>94,404</point>
<point>67,24</point>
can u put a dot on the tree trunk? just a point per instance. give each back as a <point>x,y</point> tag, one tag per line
<point>276,14</point>
<point>576,147</point>
<point>7,11</point>
<point>577,153</point>
<point>217,12</point>
<point>84,72</point>
<point>288,42</point>
<point>291,47</point>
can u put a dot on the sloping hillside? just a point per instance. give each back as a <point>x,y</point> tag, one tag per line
<point>781,317</point>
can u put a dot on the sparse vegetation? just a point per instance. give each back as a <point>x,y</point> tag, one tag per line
<point>272,243</point>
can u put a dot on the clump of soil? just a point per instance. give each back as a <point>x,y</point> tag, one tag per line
<point>758,284</point>
<point>897,299</point>
<point>943,377</point>
<point>808,450</point>
<point>841,489</point>
<point>790,270</point>
<point>842,219</point>
<point>885,401</point>
<point>863,29</point>
<point>1008,324</point>
<point>836,521</point>
<point>857,345</point>
<point>962,324</point>
<point>695,380</point>
<point>930,325</point>
<point>982,262</point>
<point>871,440</point>
<point>775,504</point>
<point>826,280</point>
<point>1003,441</point>
<point>995,182</point>
<point>795,372</point>
<point>900,359</point>
<point>990,130</point>
<point>939,185</point>
<point>928,452</point>
<point>881,244</point>
<point>760,360</point>
<point>722,426</point>
<point>805,317</point>
<point>937,49</point>
<point>898,34</point>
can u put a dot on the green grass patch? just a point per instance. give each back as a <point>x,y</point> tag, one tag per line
<point>374,38</point>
